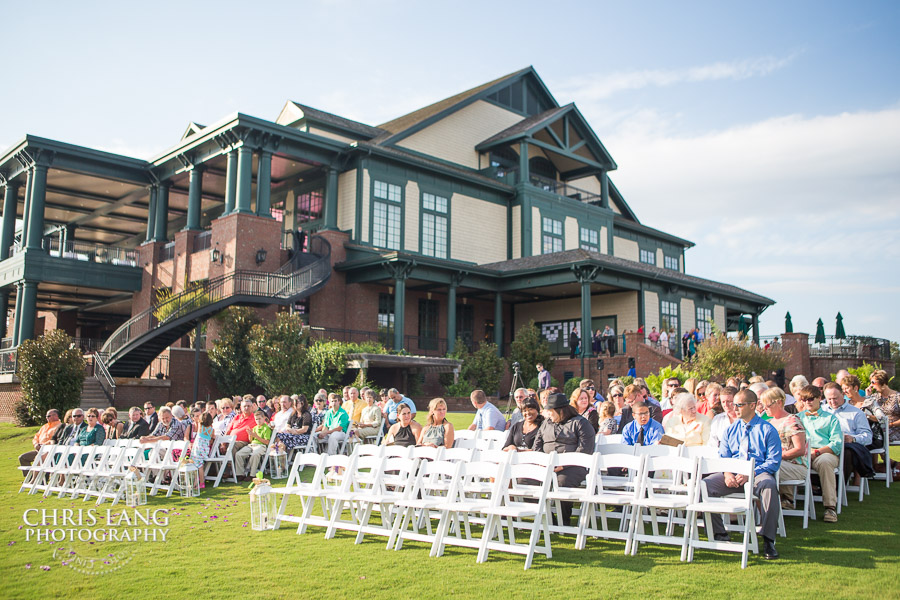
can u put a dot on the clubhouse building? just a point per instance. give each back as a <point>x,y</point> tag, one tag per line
<point>462,220</point>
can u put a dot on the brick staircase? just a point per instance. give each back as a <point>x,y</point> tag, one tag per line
<point>92,395</point>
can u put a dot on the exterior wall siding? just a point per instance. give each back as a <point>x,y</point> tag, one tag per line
<point>719,316</point>
<point>364,234</point>
<point>330,135</point>
<point>454,137</point>
<point>571,241</point>
<point>589,184</point>
<point>536,246</point>
<point>626,249</point>
<point>688,315</point>
<point>411,211</point>
<point>475,236</point>
<point>516,232</point>
<point>660,260</point>
<point>604,240</point>
<point>346,214</point>
<point>651,310</point>
<point>622,305</point>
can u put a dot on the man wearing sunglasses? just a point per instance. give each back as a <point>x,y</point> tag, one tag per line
<point>750,437</point>
<point>69,435</point>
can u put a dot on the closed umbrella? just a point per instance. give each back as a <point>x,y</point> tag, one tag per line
<point>839,332</point>
<point>788,326</point>
<point>742,326</point>
<point>820,332</point>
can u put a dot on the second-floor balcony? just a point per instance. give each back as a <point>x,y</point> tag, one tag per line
<point>85,251</point>
<point>561,188</point>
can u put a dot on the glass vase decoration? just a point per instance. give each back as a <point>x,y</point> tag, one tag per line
<point>135,488</point>
<point>262,505</point>
<point>189,480</point>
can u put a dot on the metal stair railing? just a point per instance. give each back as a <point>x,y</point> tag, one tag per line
<point>102,374</point>
<point>284,284</point>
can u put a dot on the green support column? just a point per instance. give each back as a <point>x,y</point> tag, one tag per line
<point>151,215</point>
<point>642,311</point>
<point>161,228</point>
<point>4,310</point>
<point>68,235</point>
<point>524,175</point>
<point>451,317</point>
<point>8,230</point>
<point>17,314</point>
<point>586,330</point>
<point>29,311</point>
<point>35,223</point>
<point>264,184</point>
<point>26,208</point>
<point>399,311</point>
<point>604,190</point>
<point>756,329</point>
<point>244,180</point>
<point>195,193</point>
<point>230,181</point>
<point>526,236</point>
<point>331,184</point>
<point>498,322</point>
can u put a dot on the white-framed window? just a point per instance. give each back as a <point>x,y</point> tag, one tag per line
<point>671,262</point>
<point>386,215</point>
<point>704,321</point>
<point>434,225</point>
<point>553,235</point>
<point>648,257</point>
<point>590,240</point>
<point>668,317</point>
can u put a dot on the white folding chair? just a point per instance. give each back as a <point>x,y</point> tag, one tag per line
<point>495,438</point>
<point>333,479</point>
<point>91,461</point>
<point>426,452</point>
<point>96,477</point>
<point>558,494</point>
<point>494,456</point>
<point>699,451</point>
<point>840,490</point>
<point>732,504</point>
<point>430,488</point>
<point>464,438</point>
<point>307,492</point>
<point>809,510</point>
<point>599,495</point>
<point>222,460</point>
<point>657,493</point>
<point>885,453</point>
<point>613,438</point>
<point>67,465</point>
<point>36,470</point>
<point>168,465</point>
<point>456,454</point>
<point>614,448</point>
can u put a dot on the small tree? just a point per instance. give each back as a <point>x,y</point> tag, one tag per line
<point>654,380</point>
<point>326,363</point>
<point>52,374</point>
<point>483,369</point>
<point>528,349</point>
<point>278,354</point>
<point>229,357</point>
<point>720,357</point>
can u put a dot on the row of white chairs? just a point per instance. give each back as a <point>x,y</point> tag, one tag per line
<point>510,492</point>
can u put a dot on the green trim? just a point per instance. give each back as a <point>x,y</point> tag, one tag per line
<point>390,180</point>
<point>357,228</point>
<point>435,191</point>
<point>449,183</point>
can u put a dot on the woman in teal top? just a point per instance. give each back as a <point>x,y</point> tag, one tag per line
<point>93,434</point>
<point>438,431</point>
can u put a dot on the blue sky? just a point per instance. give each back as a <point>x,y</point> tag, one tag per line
<point>768,132</point>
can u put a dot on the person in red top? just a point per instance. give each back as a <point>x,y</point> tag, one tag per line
<point>710,403</point>
<point>43,436</point>
<point>240,427</point>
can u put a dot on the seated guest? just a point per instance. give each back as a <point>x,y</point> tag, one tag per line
<point>240,427</point>
<point>582,402</point>
<point>823,430</point>
<point>335,424</point>
<point>370,418</point>
<point>888,400</point>
<point>758,387</point>
<point>564,430</point>
<point>642,431</point>
<point>712,403</point>
<point>793,442</point>
<point>608,424</point>
<point>856,430</point>
<point>43,436</point>
<point>395,398</point>
<point>69,435</point>
<point>685,423</point>
<point>226,415</point>
<point>285,408</point>
<point>669,386</point>
<point>522,434</point>
<point>169,428</point>
<point>137,427</point>
<point>150,415</point>
<point>112,427</point>
<point>299,427</point>
<point>253,452</point>
<point>438,431</point>
<point>181,415</point>
<point>405,431</point>
<point>617,397</point>
<point>487,416</point>
<point>519,396</point>
<point>750,437</point>
<point>263,405</point>
<point>723,421</point>
<point>700,397</point>
<point>93,434</point>
<point>632,393</point>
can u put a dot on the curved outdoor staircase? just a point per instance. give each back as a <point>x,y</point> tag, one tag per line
<point>134,345</point>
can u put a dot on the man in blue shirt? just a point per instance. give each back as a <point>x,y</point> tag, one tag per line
<point>750,437</point>
<point>856,430</point>
<point>643,431</point>
<point>390,407</point>
<point>487,416</point>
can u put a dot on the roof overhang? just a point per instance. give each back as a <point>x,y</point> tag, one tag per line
<point>422,364</point>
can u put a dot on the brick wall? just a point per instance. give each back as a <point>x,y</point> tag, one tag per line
<point>10,395</point>
<point>181,375</point>
<point>135,392</point>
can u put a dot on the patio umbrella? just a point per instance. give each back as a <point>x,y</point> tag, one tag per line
<point>839,332</point>
<point>788,326</point>
<point>742,326</point>
<point>820,332</point>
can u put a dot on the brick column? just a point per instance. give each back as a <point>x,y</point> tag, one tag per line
<point>796,350</point>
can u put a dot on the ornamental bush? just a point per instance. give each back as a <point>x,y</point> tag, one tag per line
<point>654,380</point>
<point>719,358</point>
<point>51,372</point>
<point>528,349</point>
<point>229,357</point>
<point>278,355</point>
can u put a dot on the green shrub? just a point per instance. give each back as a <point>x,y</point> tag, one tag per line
<point>462,388</point>
<point>720,357</point>
<point>460,352</point>
<point>654,380</point>
<point>571,385</point>
<point>627,380</point>
<point>52,375</point>
<point>863,372</point>
<point>169,304</point>
<point>528,349</point>
<point>229,357</point>
<point>278,355</point>
<point>326,363</point>
<point>483,369</point>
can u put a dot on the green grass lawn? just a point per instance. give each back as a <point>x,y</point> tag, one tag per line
<point>222,558</point>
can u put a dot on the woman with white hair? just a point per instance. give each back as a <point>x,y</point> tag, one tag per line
<point>685,423</point>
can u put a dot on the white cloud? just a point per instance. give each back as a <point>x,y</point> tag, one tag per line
<point>601,86</point>
<point>803,209</point>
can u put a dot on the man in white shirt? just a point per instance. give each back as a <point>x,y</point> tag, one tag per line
<point>487,416</point>
<point>856,430</point>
